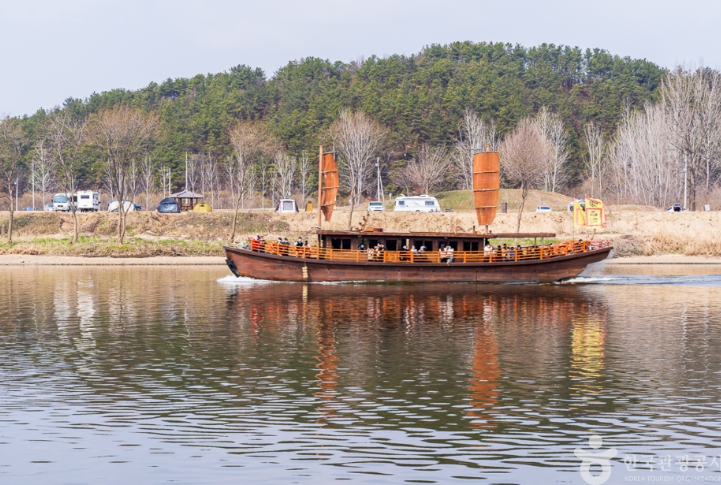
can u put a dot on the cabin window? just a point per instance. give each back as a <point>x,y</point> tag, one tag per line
<point>470,245</point>
<point>372,243</point>
<point>428,244</point>
<point>84,196</point>
<point>430,202</point>
<point>392,245</point>
<point>335,243</point>
<point>345,243</point>
<point>453,244</point>
<point>401,202</point>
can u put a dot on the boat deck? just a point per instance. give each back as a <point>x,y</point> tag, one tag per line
<point>385,256</point>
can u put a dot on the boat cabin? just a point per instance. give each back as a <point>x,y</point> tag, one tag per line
<point>433,241</point>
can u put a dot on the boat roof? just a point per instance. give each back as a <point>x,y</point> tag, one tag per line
<point>438,235</point>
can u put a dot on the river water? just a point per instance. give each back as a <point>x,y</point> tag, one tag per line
<point>186,375</point>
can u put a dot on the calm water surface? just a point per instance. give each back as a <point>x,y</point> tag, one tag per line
<point>185,375</point>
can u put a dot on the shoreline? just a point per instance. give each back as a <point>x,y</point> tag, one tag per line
<point>50,260</point>
<point>36,260</point>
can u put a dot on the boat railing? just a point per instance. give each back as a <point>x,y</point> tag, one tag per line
<point>385,256</point>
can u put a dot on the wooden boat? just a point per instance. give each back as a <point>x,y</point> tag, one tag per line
<point>416,256</point>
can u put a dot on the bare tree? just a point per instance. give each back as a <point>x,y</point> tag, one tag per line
<point>304,167</point>
<point>265,172</point>
<point>194,163</point>
<point>67,135</point>
<point>473,135</point>
<point>285,167</point>
<point>134,181</point>
<point>12,146</point>
<point>249,141</point>
<point>596,162</point>
<point>692,101</point>
<point>357,138</point>
<point>525,157</point>
<point>551,126</point>
<point>209,176</point>
<point>147,178</point>
<point>44,167</point>
<point>645,165</point>
<point>231,169</point>
<point>124,134</point>
<point>428,170</point>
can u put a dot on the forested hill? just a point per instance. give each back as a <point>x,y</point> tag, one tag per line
<point>419,98</point>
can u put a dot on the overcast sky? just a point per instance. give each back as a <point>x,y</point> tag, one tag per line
<point>55,49</point>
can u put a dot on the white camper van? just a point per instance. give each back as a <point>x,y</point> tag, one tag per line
<point>87,201</point>
<point>61,203</point>
<point>418,203</point>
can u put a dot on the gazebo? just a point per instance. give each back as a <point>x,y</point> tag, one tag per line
<point>186,200</point>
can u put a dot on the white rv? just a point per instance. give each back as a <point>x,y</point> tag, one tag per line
<point>87,201</point>
<point>418,203</point>
<point>61,203</point>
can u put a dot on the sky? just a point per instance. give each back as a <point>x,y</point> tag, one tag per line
<point>54,49</point>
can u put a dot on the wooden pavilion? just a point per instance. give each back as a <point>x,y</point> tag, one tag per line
<point>186,200</point>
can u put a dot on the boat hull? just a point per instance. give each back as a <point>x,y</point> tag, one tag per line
<point>265,266</point>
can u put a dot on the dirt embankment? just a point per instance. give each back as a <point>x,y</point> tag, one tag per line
<point>634,230</point>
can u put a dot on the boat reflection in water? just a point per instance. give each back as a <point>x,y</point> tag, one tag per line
<point>373,339</point>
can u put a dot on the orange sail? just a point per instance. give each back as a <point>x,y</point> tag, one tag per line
<point>330,184</point>
<point>486,185</point>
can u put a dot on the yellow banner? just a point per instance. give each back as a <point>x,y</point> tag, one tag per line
<point>594,217</point>
<point>596,207</point>
<point>579,218</point>
<point>594,203</point>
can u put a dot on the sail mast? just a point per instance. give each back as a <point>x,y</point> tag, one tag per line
<point>320,184</point>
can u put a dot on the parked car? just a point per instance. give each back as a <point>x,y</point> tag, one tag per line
<point>61,203</point>
<point>137,207</point>
<point>49,208</point>
<point>376,206</point>
<point>675,208</point>
<point>168,206</point>
<point>543,208</point>
<point>127,206</point>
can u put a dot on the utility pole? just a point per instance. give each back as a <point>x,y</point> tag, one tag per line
<point>379,184</point>
<point>186,170</point>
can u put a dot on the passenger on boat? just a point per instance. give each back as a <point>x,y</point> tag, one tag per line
<point>299,242</point>
<point>449,254</point>
<point>362,247</point>
<point>510,254</point>
<point>487,252</point>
